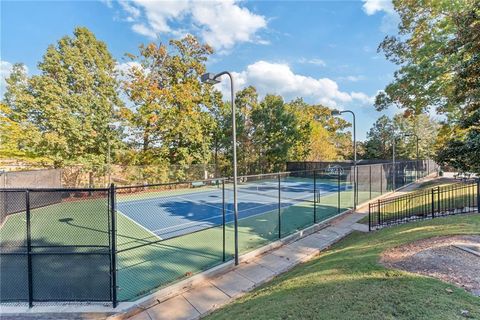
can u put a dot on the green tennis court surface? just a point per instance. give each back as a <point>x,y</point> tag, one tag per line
<point>80,223</point>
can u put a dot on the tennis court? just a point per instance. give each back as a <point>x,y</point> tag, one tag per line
<point>163,235</point>
<point>167,235</point>
<point>167,216</point>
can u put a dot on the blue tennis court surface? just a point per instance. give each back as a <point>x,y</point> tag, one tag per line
<point>172,215</point>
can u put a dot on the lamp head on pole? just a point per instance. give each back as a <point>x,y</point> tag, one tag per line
<point>336,112</point>
<point>209,78</point>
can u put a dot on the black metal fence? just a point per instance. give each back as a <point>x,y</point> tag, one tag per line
<point>118,244</point>
<point>426,204</point>
<point>56,245</point>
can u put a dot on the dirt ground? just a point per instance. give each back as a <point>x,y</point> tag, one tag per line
<point>452,259</point>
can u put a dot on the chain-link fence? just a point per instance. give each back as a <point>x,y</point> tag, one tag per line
<point>122,243</point>
<point>56,245</point>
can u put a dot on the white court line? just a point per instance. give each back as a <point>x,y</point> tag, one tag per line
<point>230,213</point>
<point>138,224</point>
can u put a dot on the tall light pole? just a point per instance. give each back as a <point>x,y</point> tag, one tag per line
<point>394,172</point>
<point>355,192</point>
<point>211,78</point>
<point>416,166</point>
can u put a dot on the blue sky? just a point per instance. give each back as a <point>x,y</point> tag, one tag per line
<point>323,51</point>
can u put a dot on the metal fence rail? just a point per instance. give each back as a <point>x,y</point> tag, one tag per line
<point>121,243</point>
<point>426,204</point>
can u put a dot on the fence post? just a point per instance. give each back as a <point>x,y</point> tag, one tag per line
<point>369,217</point>
<point>314,197</point>
<point>29,249</point>
<point>478,195</point>
<point>370,180</point>
<point>223,217</point>
<point>338,187</point>
<point>378,212</point>
<point>433,203</point>
<point>438,199</point>
<point>279,211</point>
<point>381,179</point>
<point>114,243</point>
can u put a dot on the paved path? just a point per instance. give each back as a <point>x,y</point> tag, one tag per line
<point>214,293</point>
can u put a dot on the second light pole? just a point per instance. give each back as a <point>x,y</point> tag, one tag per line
<point>211,78</point>
<point>355,186</point>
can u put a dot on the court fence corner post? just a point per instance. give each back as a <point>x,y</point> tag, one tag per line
<point>338,189</point>
<point>279,210</point>
<point>314,196</point>
<point>223,217</point>
<point>29,249</point>
<point>113,254</point>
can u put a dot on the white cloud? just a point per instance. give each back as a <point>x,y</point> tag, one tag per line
<point>144,30</point>
<point>278,78</point>
<point>133,12</point>
<point>5,69</point>
<point>315,61</point>
<point>363,98</point>
<point>352,78</point>
<point>391,18</point>
<point>373,6</point>
<point>221,23</point>
<point>126,66</point>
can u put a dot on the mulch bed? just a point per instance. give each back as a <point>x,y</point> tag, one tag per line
<point>442,258</point>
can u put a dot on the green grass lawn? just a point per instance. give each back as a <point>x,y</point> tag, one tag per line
<point>347,282</point>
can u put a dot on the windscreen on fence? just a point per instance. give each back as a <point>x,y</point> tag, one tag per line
<point>56,246</point>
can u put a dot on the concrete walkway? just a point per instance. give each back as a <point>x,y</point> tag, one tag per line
<point>214,293</point>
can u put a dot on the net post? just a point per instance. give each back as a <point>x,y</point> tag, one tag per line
<point>29,249</point>
<point>279,211</point>
<point>314,197</point>
<point>113,254</point>
<point>223,217</point>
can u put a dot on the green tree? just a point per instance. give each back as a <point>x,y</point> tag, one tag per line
<point>276,131</point>
<point>171,118</point>
<point>437,50</point>
<point>379,139</point>
<point>320,133</point>
<point>70,104</point>
<point>462,137</point>
<point>379,143</point>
